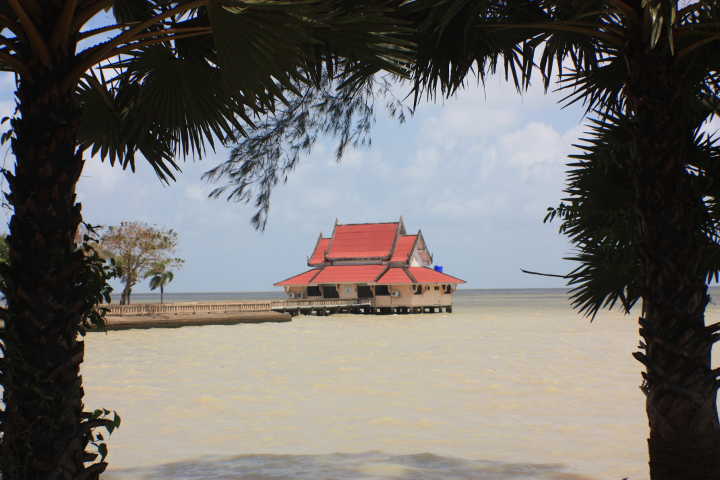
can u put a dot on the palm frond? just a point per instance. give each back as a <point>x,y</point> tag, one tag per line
<point>598,88</point>
<point>129,11</point>
<point>183,79</point>
<point>183,98</point>
<point>458,38</point>
<point>108,128</point>
<point>599,218</point>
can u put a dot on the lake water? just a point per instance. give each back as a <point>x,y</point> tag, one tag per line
<point>512,385</point>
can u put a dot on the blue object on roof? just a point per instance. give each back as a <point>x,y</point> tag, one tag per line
<point>438,268</point>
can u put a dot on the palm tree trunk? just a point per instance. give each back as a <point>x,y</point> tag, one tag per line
<point>679,383</point>
<point>161,293</point>
<point>44,430</point>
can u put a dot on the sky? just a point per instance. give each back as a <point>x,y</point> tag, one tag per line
<point>475,173</point>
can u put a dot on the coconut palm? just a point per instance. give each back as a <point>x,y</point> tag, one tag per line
<point>152,78</point>
<point>159,280</point>
<point>642,193</point>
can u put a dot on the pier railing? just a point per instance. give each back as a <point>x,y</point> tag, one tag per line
<point>158,308</point>
<point>193,308</point>
<point>331,302</point>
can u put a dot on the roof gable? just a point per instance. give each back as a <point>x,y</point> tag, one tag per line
<point>404,248</point>
<point>318,255</point>
<point>365,240</point>
<point>394,276</point>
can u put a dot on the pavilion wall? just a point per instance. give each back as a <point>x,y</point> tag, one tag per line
<point>432,295</point>
<point>347,292</point>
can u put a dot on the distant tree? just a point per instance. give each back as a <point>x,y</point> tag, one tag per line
<point>137,249</point>
<point>160,277</point>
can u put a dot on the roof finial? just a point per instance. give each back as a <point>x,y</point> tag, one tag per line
<point>337,222</point>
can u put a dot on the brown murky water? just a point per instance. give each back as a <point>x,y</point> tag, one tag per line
<point>513,385</point>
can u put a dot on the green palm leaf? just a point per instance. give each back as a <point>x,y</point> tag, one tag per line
<point>598,217</point>
<point>224,65</point>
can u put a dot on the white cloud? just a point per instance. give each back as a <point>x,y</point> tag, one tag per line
<point>196,192</point>
<point>100,176</point>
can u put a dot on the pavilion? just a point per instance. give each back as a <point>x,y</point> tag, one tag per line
<point>376,264</point>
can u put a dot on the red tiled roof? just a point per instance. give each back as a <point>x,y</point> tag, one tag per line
<point>394,276</point>
<point>403,248</point>
<point>428,275</point>
<point>301,279</point>
<point>318,255</point>
<point>367,240</point>
<point>349,274</point>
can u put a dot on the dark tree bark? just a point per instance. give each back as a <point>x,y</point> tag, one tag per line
<point>679,383</point>
<point>44,430</point>
<point>125,296</point>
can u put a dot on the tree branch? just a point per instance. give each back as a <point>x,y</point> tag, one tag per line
<point>543,274</point>
<point>196,32</point>
<point>625,8</point>
<point>691,8</point>
<point>174,31</point>
<point>687,50</point>
<point>32,8</point>
<point>555,26</point>
<point>89,12</point>
<point>64,24</point>
<point>6,41</point>
<point>96,54</point>
<point>36,41</point>
<point>97,31</point>
<point>8,23</point>
<point>128,35</point>
<point>13,62</point>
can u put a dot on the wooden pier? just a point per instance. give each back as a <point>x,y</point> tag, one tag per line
<point>292,307</point>
<point>174,315</point>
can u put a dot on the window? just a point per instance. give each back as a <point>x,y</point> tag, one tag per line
<point>437,288</point>
<point>330,291</point>
<point>447,288</point>
<point>313,292</point>
<point>364,291</point>
<point>382,290</point>
<point>417,289</point>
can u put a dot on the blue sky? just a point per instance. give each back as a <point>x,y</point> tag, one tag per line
<point>475,173</point>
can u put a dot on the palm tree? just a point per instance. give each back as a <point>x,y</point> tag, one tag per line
<point>642,206</point>
<point>159,280</point>
<point>642,196</point>
<point>157,78</point>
